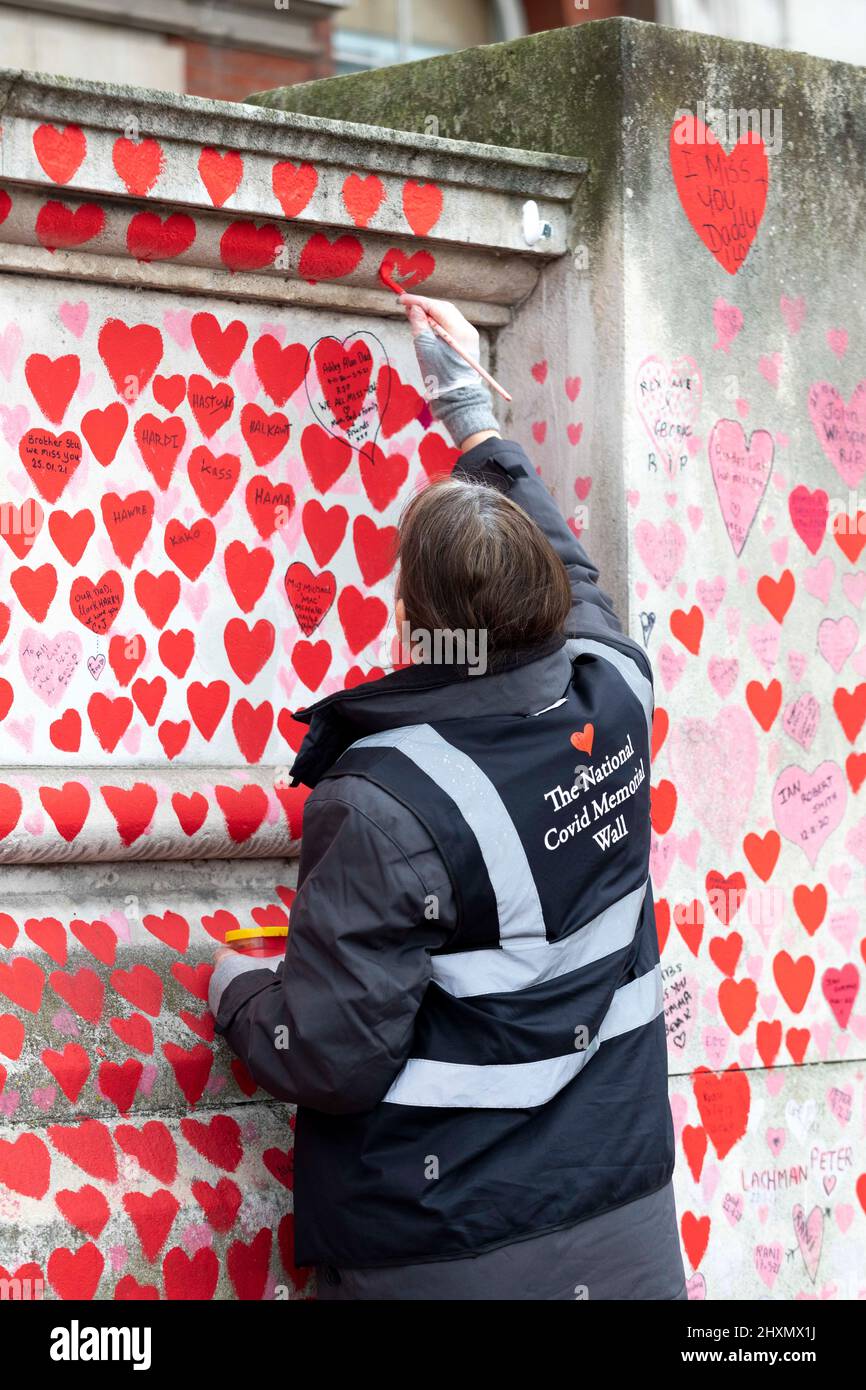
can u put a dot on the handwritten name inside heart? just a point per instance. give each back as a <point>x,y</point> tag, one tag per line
<point>341,387</point>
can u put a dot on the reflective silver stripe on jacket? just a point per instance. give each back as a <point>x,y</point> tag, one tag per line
<point>626,665</point>
<point>521,965</point>
<point>524,1085</point>
<point>481,806</point>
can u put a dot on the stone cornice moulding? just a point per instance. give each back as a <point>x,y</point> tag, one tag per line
<point>245,126</point>
<point>472,249</point>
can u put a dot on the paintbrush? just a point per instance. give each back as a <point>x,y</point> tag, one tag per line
<point>446,337</point>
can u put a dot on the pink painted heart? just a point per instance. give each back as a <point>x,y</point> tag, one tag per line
<point>727,321</point>
<point>779,551</point>
<point>809,806</point>
<point>723,672</point>
<point>793,312</point>
<point>733,1207</point>
<point>770,367</point>
<point>741,470</point>
<point>11,340</point>
<point>854,587</point>
<point>716,1040</point>
<point>841,428</point>
<point>49,663</point>
<point>797,662</point>
<point>14,423</point>
<point>661,859</point>
<point>22,731</point>
<point>768,1262</point>
<point>764,641</point>
<point>669,404</point>
<point>671,665</point>
<point>840,989</point>
<point>715,764</point>
<point>246,377</point>
<point>837,341</point>
<point>688,847</point>
<point>840,876</point>
<point>572,387</point>
<point>818,579</point>
<point>844,923</point>
<point>837,638</point>
<point>196,597</point>
<point>800,720</point>
<point>75,316</point>
<point>165,505</point>
<point>810,1236</point>
<point>662,549</point>
<point>178,322</point>
<point>775,1141</point>
<point>711,593</point>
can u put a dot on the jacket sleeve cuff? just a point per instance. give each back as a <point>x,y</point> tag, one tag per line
<point>230,968</point>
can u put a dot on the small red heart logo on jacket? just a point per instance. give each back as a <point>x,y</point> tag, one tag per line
<point>583,741</point>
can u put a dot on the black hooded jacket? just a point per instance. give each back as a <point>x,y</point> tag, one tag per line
<point>360,956</point>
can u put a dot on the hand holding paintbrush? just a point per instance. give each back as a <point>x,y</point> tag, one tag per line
<point>447,322</point>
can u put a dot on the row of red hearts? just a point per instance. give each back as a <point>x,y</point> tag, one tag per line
<point>139,165</point>
<point>243,245</point>
<point>324,528</point>
<point>241,813</point>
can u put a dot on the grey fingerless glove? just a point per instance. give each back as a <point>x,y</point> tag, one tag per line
<point>458,397</point>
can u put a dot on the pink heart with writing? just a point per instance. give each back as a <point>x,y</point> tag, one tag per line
<point>840,428</point>
<point>809,806</point>
<point>669,403</point>
<point>837,638</point>
<point>723,672</point>
<point>49,663</point>
<point>800,720</point>
<point>741,470</point>
<point>711,593</point>
<point>810,1235</point>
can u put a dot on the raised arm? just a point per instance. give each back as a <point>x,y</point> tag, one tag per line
<point>461,402</point>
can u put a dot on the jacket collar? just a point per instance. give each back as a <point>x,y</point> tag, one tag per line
<point>526,681</point>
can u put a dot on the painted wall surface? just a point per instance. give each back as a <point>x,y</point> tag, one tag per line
<point>745,390</point>
<point>713,311</point>
<point>181,587</point>
<point>210,417</point>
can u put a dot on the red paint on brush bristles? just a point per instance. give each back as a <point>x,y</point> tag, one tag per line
<point>386,280</point>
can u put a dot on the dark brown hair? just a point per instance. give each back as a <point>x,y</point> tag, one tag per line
<point>471,560</point>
